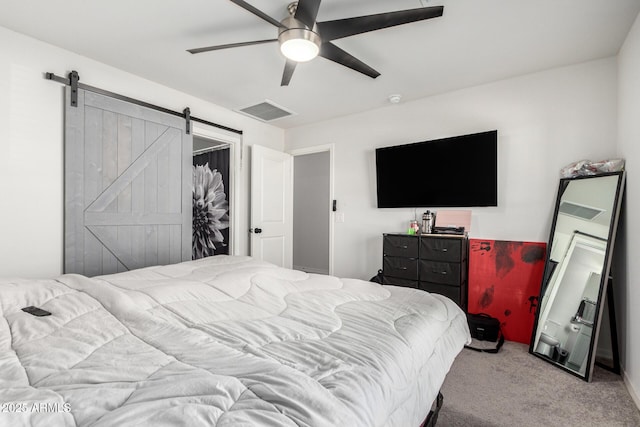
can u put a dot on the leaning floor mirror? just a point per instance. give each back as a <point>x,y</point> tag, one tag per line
<point>576,273</point>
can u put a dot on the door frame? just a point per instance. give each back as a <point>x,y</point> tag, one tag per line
<point>235,154</point>
<point>321,149</point>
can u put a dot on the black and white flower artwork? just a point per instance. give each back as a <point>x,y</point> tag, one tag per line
<point>210,211</point>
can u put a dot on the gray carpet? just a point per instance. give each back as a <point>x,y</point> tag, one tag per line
<point>514,388</point>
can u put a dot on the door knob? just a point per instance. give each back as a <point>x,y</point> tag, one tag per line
<point>255,230</point>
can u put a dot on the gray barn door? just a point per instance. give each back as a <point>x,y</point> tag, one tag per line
<point>127,186</point>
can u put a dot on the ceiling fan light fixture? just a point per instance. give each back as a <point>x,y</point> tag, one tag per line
<point>299,44</point>
<point>301,37</point>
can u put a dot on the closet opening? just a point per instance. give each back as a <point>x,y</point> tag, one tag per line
<point>213,207</point>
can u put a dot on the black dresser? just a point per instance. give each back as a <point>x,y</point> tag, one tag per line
<point>432,262</point>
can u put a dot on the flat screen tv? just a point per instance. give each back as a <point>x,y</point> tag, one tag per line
<point>460,171</point>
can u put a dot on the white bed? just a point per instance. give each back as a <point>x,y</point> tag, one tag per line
<point>224,341</point>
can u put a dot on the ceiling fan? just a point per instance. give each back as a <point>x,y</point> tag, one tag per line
<point>302,38</point>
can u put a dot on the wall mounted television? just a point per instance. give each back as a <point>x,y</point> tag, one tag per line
<point>460,171</point>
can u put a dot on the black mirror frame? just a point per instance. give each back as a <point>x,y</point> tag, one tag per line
<point>604,281</point>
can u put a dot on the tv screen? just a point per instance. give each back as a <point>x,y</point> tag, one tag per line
<point>460,171</point>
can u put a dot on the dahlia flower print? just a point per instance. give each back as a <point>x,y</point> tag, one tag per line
<point>210,211</point>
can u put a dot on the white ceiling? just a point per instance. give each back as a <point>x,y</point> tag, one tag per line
<point>474,42</point>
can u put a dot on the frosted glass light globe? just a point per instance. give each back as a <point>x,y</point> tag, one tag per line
<point>299,50</point>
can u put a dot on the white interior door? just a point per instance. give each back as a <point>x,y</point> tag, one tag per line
<point>271,206</point>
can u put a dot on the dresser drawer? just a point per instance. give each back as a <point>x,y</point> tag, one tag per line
<point>402,246</point>
<point>441,249</point>
<point>446,273</point>
<point>405,268</point>
<point>452,292</point>
<point>387,280</point>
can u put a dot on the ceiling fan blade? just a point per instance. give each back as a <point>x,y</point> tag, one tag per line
<point>307,11</point>
<point>335,54</point>
<point>332,30</point>
<point>228,46</point>
<point>260,14</point>
<point>289,67</point>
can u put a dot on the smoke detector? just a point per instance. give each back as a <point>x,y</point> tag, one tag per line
<point>395,99</point>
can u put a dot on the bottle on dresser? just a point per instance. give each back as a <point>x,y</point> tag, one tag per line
<point>428,219</point>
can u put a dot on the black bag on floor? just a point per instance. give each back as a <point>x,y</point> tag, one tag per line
<point>485,331</point>
<point>378,278</point>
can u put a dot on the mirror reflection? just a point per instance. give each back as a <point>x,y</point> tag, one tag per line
<point>569,311</point>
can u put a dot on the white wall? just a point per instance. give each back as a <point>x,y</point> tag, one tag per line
<point>544,120</point>
<point>628,246</point>
<point>31,142</point>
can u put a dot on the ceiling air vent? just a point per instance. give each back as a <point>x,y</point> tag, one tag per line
<point>580,211</point>
<point>266,111</point>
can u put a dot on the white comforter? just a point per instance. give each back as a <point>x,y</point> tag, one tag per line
<point>224,341</point>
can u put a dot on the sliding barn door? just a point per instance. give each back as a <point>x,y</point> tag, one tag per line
<point>127,186</point>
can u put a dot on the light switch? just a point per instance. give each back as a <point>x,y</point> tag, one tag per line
<point>339,216</point>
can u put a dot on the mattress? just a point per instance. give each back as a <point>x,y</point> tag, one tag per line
<point>222,341</point>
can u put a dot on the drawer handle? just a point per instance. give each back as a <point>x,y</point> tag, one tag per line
<point>444,273</point>
<point>403,268</point>
<point>444,250</point>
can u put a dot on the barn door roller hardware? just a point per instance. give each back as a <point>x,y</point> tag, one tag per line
<point>187,118</point>
<point>73,81</point>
